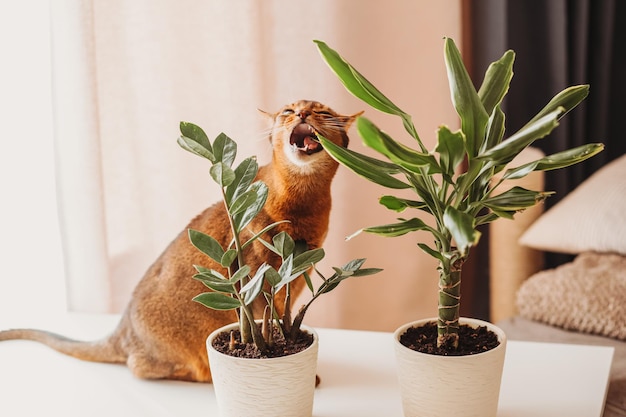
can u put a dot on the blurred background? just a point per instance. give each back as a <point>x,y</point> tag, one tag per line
<point>94,185</point>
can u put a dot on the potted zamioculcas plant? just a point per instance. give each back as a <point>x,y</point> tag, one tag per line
<point>455,184</point>
<point>264,364</point>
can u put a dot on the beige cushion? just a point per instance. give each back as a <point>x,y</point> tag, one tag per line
<point>590,218</point>
<point>586,295</point>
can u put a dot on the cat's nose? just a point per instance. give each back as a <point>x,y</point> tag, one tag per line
<point>304,114</point>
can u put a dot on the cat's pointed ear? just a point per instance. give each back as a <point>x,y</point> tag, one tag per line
<point>267,116</point>
<point>348,120</point>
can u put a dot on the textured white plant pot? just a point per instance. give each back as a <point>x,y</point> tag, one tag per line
<point>436,386</point>
<point>264,387</point>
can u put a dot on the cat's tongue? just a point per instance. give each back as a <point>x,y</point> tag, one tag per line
<point>303,137</point>
<point>310,144</point>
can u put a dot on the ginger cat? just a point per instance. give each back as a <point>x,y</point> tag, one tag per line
<point>162,333</point>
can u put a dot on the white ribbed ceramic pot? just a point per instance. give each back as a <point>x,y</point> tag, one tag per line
<point>461,386</point>
<point>264,387</point>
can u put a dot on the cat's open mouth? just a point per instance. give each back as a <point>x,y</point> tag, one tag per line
<point>304,138</point>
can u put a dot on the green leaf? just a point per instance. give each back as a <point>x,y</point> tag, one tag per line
<point>354,82</point>
<point>284,244</point>
<point>384,166</point>
<point>397,152</point>
<point>520,171</point>
<point>366,271</point>
<point>502,213</point>
<point>341,273</point>
<point>330,285</point>
<point>215,283</point>
<point>217,301</point>
<point>243,202</point>
<point>566,100</point>
<point>430,251</point>
<point>398,229</point>
<point>507,150</point>
<point>244,175</point>
<point>261,233</point>
<point>225,150</point>
<point>309,283</point>
<point>368,168</point>
<point>242,219</point>
<point>428,194</point>
<point>400,204</point>
<point>451,151</point>
<point>194,140</point>
<point>206,244</point>
<point>285,272</point>
<point>307,259</point>
<point>213,274</point>
<point>466,101</point>
<point>353,265</point>
<point>228,258</point>
<point>569,157</point>
<point>495,129</point>
<point>254,287</point>
<point>222,174</point>
<point>491,216</point>
<point>556,161</point>
<point>350,269</point>
<point>514,199</point>
<point>461,227</point>
<point>240,274</point>
<point>496,82</point>
<point>202,269</point>
<point>272,277</point>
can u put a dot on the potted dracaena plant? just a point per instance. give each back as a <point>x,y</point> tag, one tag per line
<point>261,366</point>
<point>460,200</point>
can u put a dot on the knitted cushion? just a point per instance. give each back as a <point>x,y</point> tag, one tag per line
<point>589,219</point>
<point>586,295</point>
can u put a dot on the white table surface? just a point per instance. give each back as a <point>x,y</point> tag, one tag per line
<point>357,369</point>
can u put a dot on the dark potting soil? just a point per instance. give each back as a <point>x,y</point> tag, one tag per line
<point>471,340</point>
<point>248,350</point>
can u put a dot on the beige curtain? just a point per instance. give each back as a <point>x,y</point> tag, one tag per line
<point>126,73</point>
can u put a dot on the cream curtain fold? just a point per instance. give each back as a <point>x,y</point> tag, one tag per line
<point>78,158</point>
<point>126,73</point>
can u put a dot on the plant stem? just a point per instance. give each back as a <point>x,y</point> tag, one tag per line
<point>245,320</point>
<point>255,334</point>
<point>286,320</point>
<point>297,322</point>
<point>449,300</point>
<point>267,329</point>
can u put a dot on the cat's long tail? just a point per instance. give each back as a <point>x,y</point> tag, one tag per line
<point>105,350</point>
